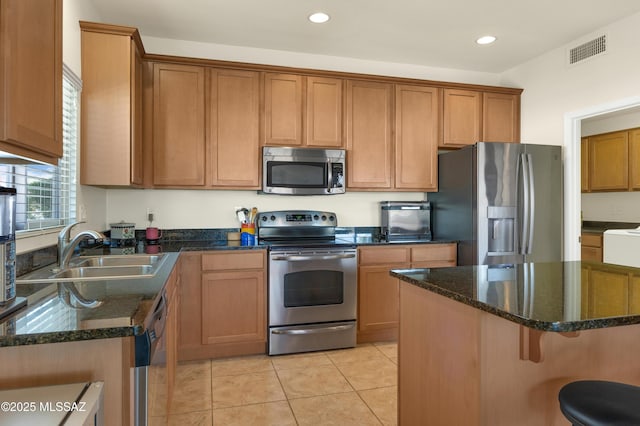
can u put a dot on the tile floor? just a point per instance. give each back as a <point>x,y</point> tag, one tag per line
<point>355,386</point>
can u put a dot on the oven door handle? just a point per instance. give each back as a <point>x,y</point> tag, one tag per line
<point>299,258</point>
<point>331,329</point>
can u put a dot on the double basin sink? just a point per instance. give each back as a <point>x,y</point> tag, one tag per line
<point>99,268</point>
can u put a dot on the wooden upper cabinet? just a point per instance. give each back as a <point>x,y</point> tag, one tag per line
<point>323,123</point>
<point>302,111</point>
<point>500,117</point>
<point>416,138</point>
<point>462,118</point>
<point>111,105</point>
<point>609,161</point>
<point>584,164</point>
<point>178,125</point>
<point>233,128</point>
<point>368,134</point>
<point>31,74</point>
<point>634,159</point>
<point>282,109</point>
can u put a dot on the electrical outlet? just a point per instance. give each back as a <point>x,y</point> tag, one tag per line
<point>150,217</point>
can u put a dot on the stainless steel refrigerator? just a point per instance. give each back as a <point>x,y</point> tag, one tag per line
<point>502,202</point>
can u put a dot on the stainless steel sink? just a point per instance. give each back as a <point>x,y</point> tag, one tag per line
<point>115,260</point>
<point>99,268</point>
<point>104,271</point>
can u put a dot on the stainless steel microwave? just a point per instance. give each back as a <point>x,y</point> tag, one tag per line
<point>303,171</point>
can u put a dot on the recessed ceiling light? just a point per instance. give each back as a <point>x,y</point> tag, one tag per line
<point>486,40</point>
<point>319,18</point>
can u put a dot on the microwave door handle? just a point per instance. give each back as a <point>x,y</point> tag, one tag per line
<point>330,176</point>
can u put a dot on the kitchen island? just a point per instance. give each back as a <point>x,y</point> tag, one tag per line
<point>493,345</point>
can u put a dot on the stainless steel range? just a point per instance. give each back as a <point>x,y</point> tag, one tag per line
<point>312,282</point>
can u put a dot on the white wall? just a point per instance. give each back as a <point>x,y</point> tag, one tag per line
<point>178,209</point>
<point>553,89</point>
<point>556,95</point>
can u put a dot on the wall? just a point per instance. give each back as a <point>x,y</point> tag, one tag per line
<point>553,89</point>
<point>557,96</point>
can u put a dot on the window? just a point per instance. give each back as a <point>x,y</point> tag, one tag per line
<point>47,194</point>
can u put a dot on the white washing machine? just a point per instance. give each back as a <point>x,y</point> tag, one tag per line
<point>622,247</point>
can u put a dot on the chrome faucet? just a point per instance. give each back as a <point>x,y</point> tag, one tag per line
<point>66,245</point>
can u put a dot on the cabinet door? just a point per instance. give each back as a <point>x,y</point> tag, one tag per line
<point>461,117</point>
<point>609,162</point>
<point>500,117</point>
<point>111,106</point>
<point>634,295</point>
<point>416,138</point>
<point>233,307</point>
<point>233,128</point>
<point>368,135</point>
<point>282,109</point>
<point>31,56</point>
<point>584,164</point>
<point>178,125</point>
<point>377,299</point>
<point>634,159</point>
<point>323,124</point>
<point>608,292</point>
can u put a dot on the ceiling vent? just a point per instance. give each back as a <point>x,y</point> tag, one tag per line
<point>590,49</point>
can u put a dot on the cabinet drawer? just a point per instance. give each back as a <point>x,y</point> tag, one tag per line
<point>383,255</point>
<point>591,253</point>
<point>592,240</point>
<point>233,260</point>
<point>443,253</point>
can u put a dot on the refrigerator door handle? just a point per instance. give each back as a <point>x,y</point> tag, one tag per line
<point>532,203</point>
<point>525,201</point>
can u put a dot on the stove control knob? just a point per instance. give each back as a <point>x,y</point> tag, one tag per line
<point>316,217</point>
<point>273,218</point>
<point>264,218</point>
<point>331,218</point>
<point>324,217</point>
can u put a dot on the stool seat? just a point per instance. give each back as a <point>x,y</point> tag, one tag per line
<point>596,403</point>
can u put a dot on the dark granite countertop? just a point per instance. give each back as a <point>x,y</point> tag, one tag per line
<point>53,315</point>
<point>544,296</point>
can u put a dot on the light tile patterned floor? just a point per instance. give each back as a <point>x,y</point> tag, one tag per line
<point>343,387</point>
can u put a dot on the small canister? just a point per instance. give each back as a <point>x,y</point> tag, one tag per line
<point>247,234</point>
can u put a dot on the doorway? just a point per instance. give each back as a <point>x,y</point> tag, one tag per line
<point>571,149</point>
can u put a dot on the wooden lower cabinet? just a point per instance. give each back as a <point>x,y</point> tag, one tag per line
<point>609,290</point>
<point>591,247</point>
<point>378,291</point>
<point>223,304</point>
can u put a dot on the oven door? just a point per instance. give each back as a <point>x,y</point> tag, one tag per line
<point>312,286</point>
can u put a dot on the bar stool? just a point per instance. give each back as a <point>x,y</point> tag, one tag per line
<point>599,403</point>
